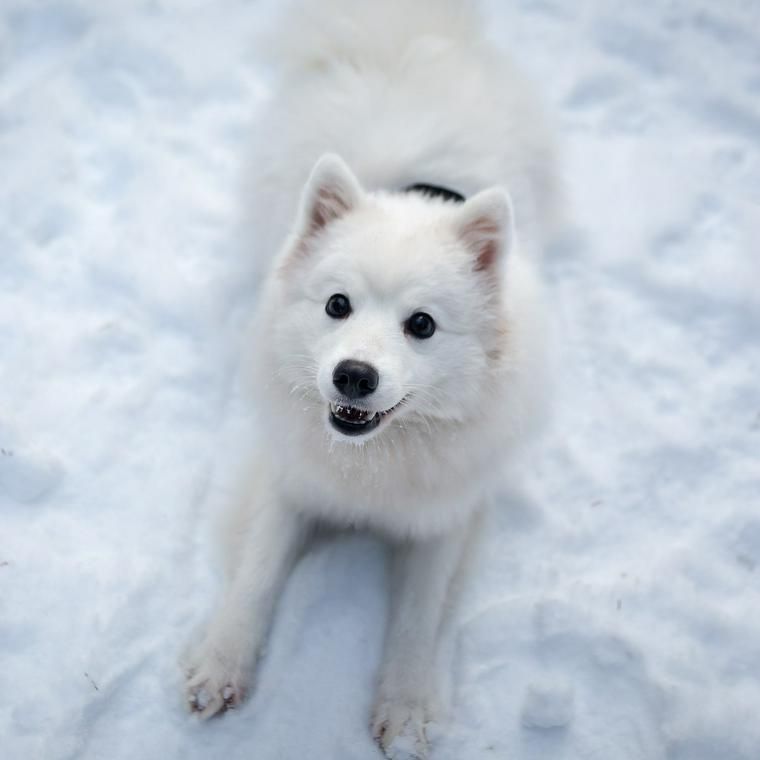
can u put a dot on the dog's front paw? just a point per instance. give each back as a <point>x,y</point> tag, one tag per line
<point>215,683</point>
<point>399,728</point>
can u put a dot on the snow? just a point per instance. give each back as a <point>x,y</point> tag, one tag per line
<point>615,612</point>
<point>548,705</point>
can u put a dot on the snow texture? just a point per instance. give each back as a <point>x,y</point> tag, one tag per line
<point>615,610</point>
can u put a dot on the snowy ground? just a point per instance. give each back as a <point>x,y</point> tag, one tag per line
<point>616,610</point>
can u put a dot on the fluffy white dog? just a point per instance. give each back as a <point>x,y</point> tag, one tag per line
<point>399,338</point>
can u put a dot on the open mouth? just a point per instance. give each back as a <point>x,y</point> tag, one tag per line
<point>350,420</point>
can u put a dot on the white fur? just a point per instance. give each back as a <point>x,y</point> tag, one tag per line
<point>403,96</point>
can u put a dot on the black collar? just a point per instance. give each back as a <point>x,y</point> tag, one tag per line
<point>435,191</point>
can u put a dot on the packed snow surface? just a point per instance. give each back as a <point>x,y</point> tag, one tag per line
<point>615,609</point>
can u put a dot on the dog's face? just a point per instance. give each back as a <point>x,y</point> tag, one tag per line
<point>390,310</point>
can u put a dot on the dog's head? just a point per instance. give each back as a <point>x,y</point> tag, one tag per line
<point>389,307</point>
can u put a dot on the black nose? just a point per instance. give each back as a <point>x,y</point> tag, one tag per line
<point>355,379</point>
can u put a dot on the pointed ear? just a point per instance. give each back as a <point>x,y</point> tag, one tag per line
<point>330,192</point>
<point>485,226</point>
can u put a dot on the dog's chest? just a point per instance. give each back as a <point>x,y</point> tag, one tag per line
<point>406,492</point>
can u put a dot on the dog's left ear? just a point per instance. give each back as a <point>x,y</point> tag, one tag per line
<point>485,226</point>
<point>331,192</point>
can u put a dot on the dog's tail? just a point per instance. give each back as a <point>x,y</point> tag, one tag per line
<point>313,34</point>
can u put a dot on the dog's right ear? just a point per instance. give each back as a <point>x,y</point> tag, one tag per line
<point>331,192</point>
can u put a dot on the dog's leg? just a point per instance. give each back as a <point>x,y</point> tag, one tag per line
<point>219,668</point>
<point>422,574</point>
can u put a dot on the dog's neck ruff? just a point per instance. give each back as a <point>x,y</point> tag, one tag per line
<point>436,191</point>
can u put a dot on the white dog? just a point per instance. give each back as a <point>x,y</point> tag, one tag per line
<point>399,338</point>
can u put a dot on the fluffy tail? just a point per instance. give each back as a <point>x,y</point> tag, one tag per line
<point>313,34</point>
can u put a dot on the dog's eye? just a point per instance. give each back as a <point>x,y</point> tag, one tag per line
<point>420,325</point>
<point>338,306</point>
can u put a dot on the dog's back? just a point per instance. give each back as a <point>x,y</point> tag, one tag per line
<point>406,93</point>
